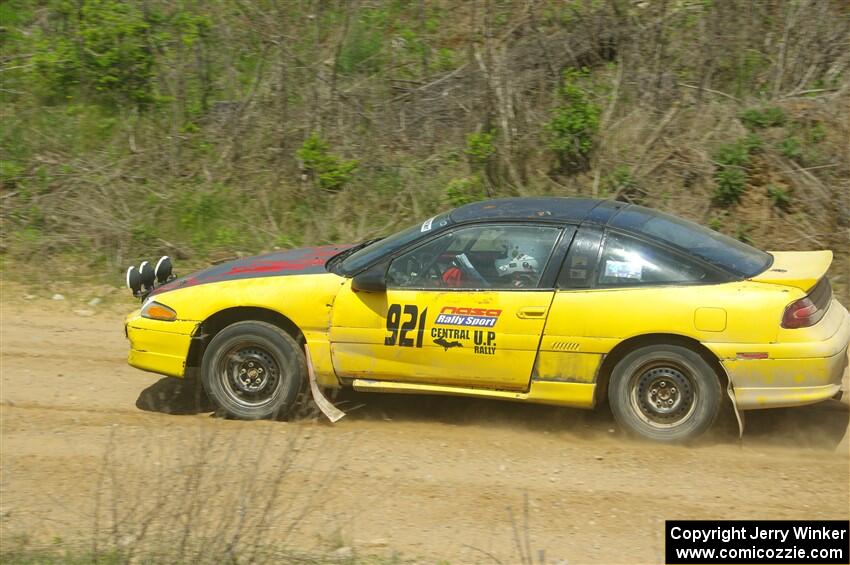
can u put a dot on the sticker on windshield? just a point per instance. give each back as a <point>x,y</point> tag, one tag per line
<point>426,225</point>
<point>623,269</point>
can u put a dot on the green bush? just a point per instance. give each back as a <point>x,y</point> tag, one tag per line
<point>56,67</point>
<point>780,198</point>
<point>730,168</point>
<point>742,233</point>
<point>737,154</point>
<point>479,148</point>
<point>205,219</point>
<point>362,50</point>
<point>10,171</point>
<point>816,133</point>
<point>791,147</point>
<point>571,131</point>
<point>621,180</point>
<point>446,60</point>
<point>330,171</point>
<point>106,50</point>
<point>116,51</point>
<point>716,223</point>
<point>731,182</point>
<point>752,143</point>
<point>758,118</point>
<point>464,190</point>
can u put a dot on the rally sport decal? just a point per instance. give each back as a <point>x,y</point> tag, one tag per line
<point>476,317</point>
<point>406,327</point>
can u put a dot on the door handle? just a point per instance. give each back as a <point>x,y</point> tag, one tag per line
<point>531,312</point>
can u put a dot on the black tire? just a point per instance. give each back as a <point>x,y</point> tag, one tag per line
<point>666,393</point>
<point>253,370</point>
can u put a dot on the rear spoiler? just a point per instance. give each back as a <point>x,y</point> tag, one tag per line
<point>800,269</point>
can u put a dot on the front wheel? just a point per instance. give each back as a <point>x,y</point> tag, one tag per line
<point>664,393</point>
<point>253,370</point>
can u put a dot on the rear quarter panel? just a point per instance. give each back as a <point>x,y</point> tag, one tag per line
<point>586,325</point>
<point>741,312</point>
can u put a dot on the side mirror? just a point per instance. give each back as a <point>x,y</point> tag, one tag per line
<point>371,280</point>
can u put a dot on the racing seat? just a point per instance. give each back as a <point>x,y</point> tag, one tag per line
<point>453,277</point>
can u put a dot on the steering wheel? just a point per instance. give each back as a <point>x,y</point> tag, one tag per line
<point>523,280</point>
<point>421,271</point>
<point>430,272</point>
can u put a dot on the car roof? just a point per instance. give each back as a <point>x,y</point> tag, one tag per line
<point>573,210</point>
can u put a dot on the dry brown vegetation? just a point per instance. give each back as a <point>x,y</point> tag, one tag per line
<point>233,127</point>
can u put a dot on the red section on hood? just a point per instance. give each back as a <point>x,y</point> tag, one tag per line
<point>302,261</point>
<point>312,258</point>
<point>272,266</point>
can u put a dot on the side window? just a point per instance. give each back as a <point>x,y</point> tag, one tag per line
<point>629,262</point>
<point>487,256</point>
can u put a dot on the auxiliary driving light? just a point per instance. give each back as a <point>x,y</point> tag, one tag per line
<point>147,274</point>
<point>163,269</point>
<point>134,279</point>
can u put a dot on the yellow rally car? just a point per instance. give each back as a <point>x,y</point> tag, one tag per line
<point>551,300</point>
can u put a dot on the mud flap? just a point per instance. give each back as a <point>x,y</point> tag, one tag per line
<point>739,414</point>
<point>333,413</point>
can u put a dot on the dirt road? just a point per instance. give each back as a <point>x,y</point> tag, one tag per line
<point>88,446</point>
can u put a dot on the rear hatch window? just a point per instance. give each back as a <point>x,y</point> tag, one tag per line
<point>736,257</point>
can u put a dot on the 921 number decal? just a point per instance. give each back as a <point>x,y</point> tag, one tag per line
<point>399,328</point>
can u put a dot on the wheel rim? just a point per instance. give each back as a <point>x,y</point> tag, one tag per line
<point>250,375</point>
<point>663,394</point>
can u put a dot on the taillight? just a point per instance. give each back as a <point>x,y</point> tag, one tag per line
<point>808,310</point>
<point>800,314</point>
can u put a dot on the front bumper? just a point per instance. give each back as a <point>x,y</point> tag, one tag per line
<point>158,346</point>
<point>781,380</point>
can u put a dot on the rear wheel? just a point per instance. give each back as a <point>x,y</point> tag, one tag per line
<point>253,370</point>
<point>664,393</point>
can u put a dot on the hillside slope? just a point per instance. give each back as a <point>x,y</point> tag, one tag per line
<point>132,129</point>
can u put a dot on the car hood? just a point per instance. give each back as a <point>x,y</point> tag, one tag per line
<point>305,261</point>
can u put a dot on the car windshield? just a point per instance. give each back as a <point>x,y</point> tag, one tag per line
<point>718,249</point>
<point>363,257</point>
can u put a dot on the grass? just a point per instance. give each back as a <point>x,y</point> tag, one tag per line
<point>24,555</point>
<point>206,496</point>
<point>218,494</point>
<point>30,556</point>
<point>365,121</point>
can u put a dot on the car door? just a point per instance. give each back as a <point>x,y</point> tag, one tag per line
<point>465,308</point>
<point>609,289</point>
